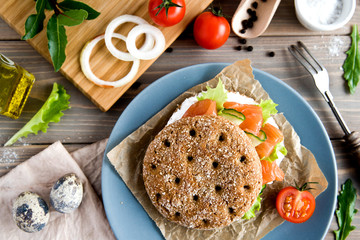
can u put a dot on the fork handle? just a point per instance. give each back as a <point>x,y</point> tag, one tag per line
<point>353,141</point>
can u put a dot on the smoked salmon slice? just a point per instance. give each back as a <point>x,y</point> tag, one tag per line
<point>203,107</point>
<point>271,172</point>
<point>253,116</point>
<point>274,136</point>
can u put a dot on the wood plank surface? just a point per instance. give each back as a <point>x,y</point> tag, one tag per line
<point>84,123</point>
<point>104,64</point>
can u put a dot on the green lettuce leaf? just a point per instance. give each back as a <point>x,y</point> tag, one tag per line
<point>279,148</point>
<point>351,65</point>
<point>51,111</point>
<point>268,109</point>
<point>255,207</point>
<point>218,94</point>
<point>346,211</point>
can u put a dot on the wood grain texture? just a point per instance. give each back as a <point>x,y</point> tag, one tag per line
<point>84,123</point>
<point>104,64</point>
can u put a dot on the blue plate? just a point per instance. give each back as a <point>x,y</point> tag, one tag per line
<point>129,220</point>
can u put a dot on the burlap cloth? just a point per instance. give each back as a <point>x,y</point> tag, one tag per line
<point>38,174</point>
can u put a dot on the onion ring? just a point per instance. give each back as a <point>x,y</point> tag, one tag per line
<point>143,53</point>
<point>85,64</point>
<point>149,41</point>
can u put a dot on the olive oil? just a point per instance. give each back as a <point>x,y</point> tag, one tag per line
<point>15,86</point>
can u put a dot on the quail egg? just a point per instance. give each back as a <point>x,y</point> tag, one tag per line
<point>30,212</point>
<point>67,193</point>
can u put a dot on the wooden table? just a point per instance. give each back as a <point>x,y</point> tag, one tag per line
<point>84,123</point>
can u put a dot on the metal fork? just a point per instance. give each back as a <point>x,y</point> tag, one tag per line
<point>321,79</point>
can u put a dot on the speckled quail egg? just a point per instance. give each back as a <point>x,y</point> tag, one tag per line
<point>30,212</point>
<point>67,193</point>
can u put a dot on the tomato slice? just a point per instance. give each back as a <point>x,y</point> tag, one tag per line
<point>271,172</point>
<point>202,107</point>
<point>294,205</point>
<point>274,136</point>
<point>253,116</point>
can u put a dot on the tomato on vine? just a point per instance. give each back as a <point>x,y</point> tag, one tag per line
<point>167,13</point>
<point>295,204</point>
<point>211,29</point>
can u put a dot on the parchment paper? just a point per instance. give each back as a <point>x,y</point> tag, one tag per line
<point>299,164</point>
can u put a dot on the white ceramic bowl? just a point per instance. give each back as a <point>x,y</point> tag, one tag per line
<point>302,13</point>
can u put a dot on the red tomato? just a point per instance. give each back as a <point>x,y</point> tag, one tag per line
<point>203,107</point>
<point>167,13</point>
<point>295,205</point>
<point>271,172</point>
<point>211,29</point>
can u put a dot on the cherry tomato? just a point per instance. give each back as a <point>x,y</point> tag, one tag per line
<point>295,204</point>
<point>211,29</point>
<point>167,13</point>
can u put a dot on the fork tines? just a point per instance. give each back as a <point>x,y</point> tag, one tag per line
<point>299,53</point>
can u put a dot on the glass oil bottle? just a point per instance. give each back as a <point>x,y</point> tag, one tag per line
<point>15,86</point>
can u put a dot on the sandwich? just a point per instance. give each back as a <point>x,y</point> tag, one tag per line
<point>209,165</point>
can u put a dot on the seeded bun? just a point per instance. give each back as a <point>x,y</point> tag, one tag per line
<point>202,172</point>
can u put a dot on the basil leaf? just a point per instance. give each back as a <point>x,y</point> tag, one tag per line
<point>346,210</point>
<point>57,41</point>
<point>72,17</point>
<point>351,65</point>
<point>35,22</point>
<point>69,4</point>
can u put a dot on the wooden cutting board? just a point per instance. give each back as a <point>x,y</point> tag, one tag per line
<point>104,65</point>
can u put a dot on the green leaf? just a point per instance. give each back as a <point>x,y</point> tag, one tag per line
<point>218,94</point>
<point>49,5</point>
<point>72,17</point>
<point>69,4</point>
<point>268,109</point>
<point>346,210</point>
<point>279,148</point>
<point>57,41</point>
<point>255,207</point>
<point>51,111</point>
<point>351,65</point>
<point>35,22</point>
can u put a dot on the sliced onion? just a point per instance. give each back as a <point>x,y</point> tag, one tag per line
<point>149,41</point>
<point>85,64</point>
<point>144,53</point>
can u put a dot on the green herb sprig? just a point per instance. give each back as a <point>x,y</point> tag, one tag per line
<point>346,211</point>
<point>351,65</point>
<point>66,13</point>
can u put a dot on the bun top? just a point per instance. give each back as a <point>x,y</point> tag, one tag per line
<point>202,172</point>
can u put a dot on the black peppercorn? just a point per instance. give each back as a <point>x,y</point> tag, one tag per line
<point>271,54</point>
<point>242,41</point>
<point>249,48</point>
<point>238,48</point>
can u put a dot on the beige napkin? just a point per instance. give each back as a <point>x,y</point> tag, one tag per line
<point>38,174</point>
